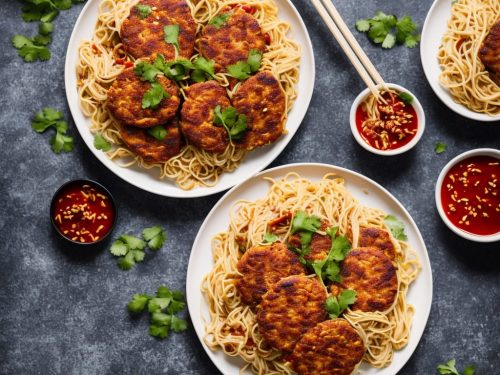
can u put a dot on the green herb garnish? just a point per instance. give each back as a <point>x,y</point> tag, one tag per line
<point>336,305</point>
<point>450,369</point>
<point>155,236</point>
<point>172,35</point>
<point>162,309</point>
<point>243,69</point>
<point>270,238</point>
<point>49,117</point>
<point>329,268</point>
<point>101,143</point>
<point>380,30</point>
<point>219,20</point>
<point>440,147</point>
<point>147,71</point>
<point>159,132</point>
<point>154,96</point>
<point>234,123</point>
<point>396,227</point>
<point>405,97</point>
<point>143,10</point>
<point>32,49</point>
<point>203,69</point>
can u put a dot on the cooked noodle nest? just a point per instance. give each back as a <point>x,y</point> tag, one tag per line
<point>97,69</point>
<point>232,326</point>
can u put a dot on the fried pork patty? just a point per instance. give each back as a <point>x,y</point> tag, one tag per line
<point>332,347</point>
<point>289,308</point>
<point>232,41</point>
<point>490,50</point>
<point>261,267</point>
<point>143,37</point>
<point>320,243</point>
<point>125,101</point>
<point>262,100</point>
<point>379,238</point>
<point>148,147</point>
<point>369,272</point>
<point>197,116</point>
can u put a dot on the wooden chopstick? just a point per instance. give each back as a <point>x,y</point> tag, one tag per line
<point>351,55</point>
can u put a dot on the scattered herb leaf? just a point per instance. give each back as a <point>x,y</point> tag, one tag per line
<point>203,69</point>
<point>440,147</point>
<point>405,97</point>
<point>336,305</point>
<point>219,20</point>
<point>159,132</point>
<point>49,117</point>
<point>270,237</point>
<point>243,69</point>
<point>155,236</point>
<point>143,10</point>
<point>172,35</point>
<point>396,227</point>
<point>101,143</point>
<point>234,123</point>
<point>450,369</point>
<point>154,96</point>
<point>301,221</point>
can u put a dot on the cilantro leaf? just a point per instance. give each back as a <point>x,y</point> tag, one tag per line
<point>147,71</point>
<point>405,97</point>
<point>154,96</point>
<point>336,305</point>
<point>270,238</point>
<point>164,292</point>
<point>159,132</point>
<point>301,221</point>
<point>448,368</point>
<point>49,117</point>
<point>234,123</point>
<point>178,324</point>
<point>118,248</point>
<point>440,147</point>
<point>389,41</point>
<point>61,142</point>
<point>362,25</point>
<point>203,69</point>
<point>178,69</point>
<point>138,303</point>
<point>28,50</point>
<point>411,41</point>
<point>143,10</point>
<point>19,41</point>
<point>157,304</point>
<point>172,35</point>
<point>405,27</point>
<point>241,70</point>
<point>126,262</point>
<point>49,16</point>
<point>175,306</point>
<point>161,319</point>
<point>45,28</point>
<point>101,143</point>
<point>45,118</point>
<point>254,59</point>
<point>396,227</point>
<point>42,40</point>
<point>219,20</point>
<point>158,331</point>
<point>155,237</point>
<point>133,243</point>
<point>469,370</point>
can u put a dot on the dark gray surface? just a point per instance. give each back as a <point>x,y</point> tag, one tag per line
<point>64,314</point>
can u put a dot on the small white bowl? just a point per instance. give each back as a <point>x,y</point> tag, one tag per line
<point>462,233</point>
<point>420,118</point>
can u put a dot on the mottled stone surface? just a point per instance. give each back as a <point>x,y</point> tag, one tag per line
<point>66,314</point>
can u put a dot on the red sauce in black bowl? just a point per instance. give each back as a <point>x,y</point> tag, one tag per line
<point>83,211</point>
<point>470,196</point>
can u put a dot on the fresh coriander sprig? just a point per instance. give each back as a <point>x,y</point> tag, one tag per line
<point>101,143</point>
<point>153,97</point>
<point>131,249</point>
<point>162,309</point>
<point>143,10</point>
<point>449,368</point>
<point>380,30</point>
<point>219,20</point>
<point>336,305</point>
<point>306,226</point>
<point>270,238</point>
<point>235,123</point>
<point>396,227</point>
<point>47,118</point>
<point>172,35</point>
<point>440,147</point>
<point>244,69</point>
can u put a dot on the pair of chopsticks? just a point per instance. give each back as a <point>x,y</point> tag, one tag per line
<point>350,45</point>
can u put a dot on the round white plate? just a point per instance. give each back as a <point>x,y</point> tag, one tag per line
<point>435,26</point>
<point>368,192</point>
<point>254,162</point>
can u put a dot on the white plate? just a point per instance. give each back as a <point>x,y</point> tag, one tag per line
<point>435,26</point>
<point>368,192</point>
<point>254,162</point>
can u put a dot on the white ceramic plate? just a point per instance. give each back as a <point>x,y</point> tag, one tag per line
<point>254,162</point>
<point>367,192</point>
<point>434,28</point>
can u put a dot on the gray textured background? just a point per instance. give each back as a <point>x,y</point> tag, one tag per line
<point>65,314</point>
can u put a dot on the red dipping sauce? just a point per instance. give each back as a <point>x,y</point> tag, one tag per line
<point>83,212</point>
<point>396,127</point>
<point>470,195</point>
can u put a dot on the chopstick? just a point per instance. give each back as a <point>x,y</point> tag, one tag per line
<point>350,46</point>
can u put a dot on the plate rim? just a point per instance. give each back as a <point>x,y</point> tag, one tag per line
<point>442,93</point>
<point>173,191</point>
<point>329,168</point>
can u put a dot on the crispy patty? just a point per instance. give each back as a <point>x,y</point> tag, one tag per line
<point>379,238</point>
<point>369,272</point>
<point>320,243</point>
<point>143,37</point>
<point>262,100</point>
<point>261,267</point>
<point>232,41</point>
<point>148,147</point>
<point>333,347</point>
<point>197,116</point>
<point>125,101</point>
<point>490,50</point>
<point>290,307</point>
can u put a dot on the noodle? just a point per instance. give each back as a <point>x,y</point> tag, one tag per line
<point>98,67</point>
<point>232,327</point>
<point>463,73</point>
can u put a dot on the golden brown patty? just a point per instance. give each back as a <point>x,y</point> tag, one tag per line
<point>262,266</point>
<point>290,307</point>
<point>490,50</point>
<point>262,100</point>
<point>125,101</point>
<point>320,243</point>
<point>369,272</point>
<point>233,40</point>
<point>146,37</point>
<point>148,147</point>
<point>333,347</point>
<point>197,116</point>
<point>379,238</point>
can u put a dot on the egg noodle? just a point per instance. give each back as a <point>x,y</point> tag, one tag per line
<point>463,73</point>
<point>98,68</point>
<point>232,327</point>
